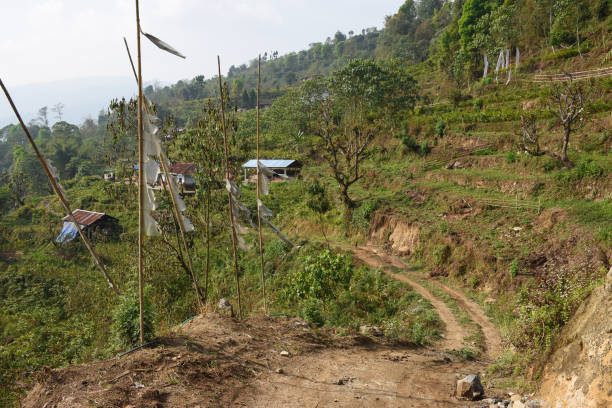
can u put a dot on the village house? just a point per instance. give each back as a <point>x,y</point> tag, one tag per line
<point>183,174</point>
<point>92,224</point>
<point>285,169</point>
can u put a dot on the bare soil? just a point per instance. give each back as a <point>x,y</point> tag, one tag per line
<point>216,361</point>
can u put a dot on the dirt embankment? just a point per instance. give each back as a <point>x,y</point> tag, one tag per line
<point>401,235</point>
<point>579,372</point>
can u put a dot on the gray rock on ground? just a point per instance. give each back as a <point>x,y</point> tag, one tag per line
<point>470,388</point>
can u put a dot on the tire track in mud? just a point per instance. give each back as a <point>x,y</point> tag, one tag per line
<point>493,344</point>
<point>455,333</point>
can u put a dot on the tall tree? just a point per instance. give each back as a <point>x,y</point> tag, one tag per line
<point>58,108</point>
<point>352,108</point>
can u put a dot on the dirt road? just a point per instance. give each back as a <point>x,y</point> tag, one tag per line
<point>378,376</point>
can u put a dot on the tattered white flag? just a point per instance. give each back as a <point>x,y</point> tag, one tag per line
<point>151,169</point>
<point>486,66</point>
<point>265,213</point>
<point>518,57</point>
<point>500,63</point>
<point>162,45</point>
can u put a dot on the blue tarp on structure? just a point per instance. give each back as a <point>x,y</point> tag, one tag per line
<point>69,232</point>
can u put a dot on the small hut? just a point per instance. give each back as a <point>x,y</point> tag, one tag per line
<point>288,168</point>
<point>91,223</point>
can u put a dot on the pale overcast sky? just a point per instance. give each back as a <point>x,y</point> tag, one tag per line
<point>49,40</point>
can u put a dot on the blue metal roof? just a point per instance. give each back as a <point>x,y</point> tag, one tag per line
<point>273,164</point>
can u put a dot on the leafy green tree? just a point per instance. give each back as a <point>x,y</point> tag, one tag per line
<point>473,10</point>
<point>427,8</point>
<point>352,105</point>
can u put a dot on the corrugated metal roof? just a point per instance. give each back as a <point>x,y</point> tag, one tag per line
<point>84,217</point>
<point>182,168</point>
<point>273,164</point>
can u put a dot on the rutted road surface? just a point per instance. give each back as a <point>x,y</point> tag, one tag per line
<point>373,375</point>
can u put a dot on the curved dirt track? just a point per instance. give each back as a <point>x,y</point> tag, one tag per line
<point>493,340</point>
<point>455,333</point>
<point>376,258</point>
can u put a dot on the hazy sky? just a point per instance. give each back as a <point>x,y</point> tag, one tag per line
<point>48,40</point>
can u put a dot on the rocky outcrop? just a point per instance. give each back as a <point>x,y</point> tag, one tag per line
<point>579,372</point>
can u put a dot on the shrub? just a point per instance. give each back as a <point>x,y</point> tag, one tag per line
<point>312,310</point>
<point>514,268</point>
<point>321,276</point>
<point>441,254</point>
<point>440,128</point>
<point>410,143</point>
<point>126,321</point>
<point>456,96</point>
<point>478,104</point>
<point>511,156</point>
<point>361,217</point>
<point>424,148</point>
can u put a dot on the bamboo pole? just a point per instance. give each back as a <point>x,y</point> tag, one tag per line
<point>58,192</point>
<point>229,194</point>
<point>261,258</point>
<point>177,213</point>
<point>140,178</point>
<point>207,242</point>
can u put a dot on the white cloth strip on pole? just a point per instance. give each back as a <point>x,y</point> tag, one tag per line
<point>509,76</point>
<point>507,58</point>
<point>486,66</point>
<point>518,57</point>
<point>263,210</point>
<point>162,45</point>
<point>500,61</point>
<point>232,188</point>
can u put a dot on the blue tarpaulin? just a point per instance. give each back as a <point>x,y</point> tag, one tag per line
<point>69,232</point>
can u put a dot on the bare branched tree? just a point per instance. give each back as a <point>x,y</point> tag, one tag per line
<point>568,102</point>
<point>58,108</point>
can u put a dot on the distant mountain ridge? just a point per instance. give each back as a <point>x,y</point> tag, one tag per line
<point>81,97</point>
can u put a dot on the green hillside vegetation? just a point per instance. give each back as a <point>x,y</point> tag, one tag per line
<point>475,166</point>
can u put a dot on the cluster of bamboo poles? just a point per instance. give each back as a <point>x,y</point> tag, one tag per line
<point>142,109</point>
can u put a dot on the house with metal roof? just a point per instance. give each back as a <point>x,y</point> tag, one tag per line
<point>183,174</point>
<point>92,223</point>
<point>284,168</point>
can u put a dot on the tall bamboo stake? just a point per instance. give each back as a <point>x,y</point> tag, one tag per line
<point>207,242</point>
<point>141,185</point>
<point>177,213</point>
<point>261,259</point>
<point>229,194</point>
<point>58,192</point>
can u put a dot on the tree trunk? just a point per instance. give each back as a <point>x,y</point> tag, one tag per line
<point>348,210</point>
<point>565,144</point>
